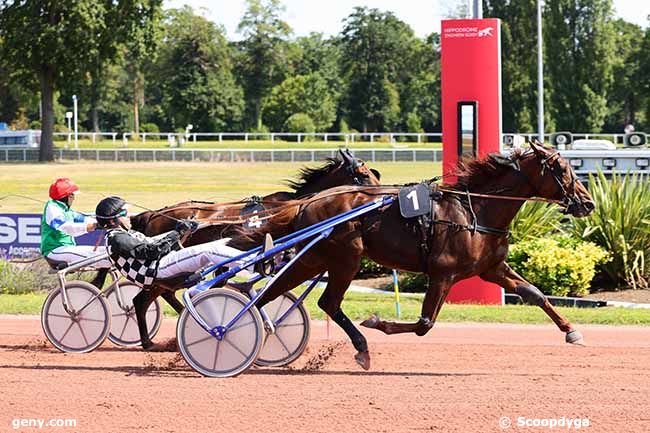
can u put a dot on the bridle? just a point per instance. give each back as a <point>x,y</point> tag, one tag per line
<point>354,169</point>
<point>552,164</point>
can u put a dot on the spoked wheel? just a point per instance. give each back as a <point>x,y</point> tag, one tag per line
<point>83,330</point>
<point>291,335</point>
<point>124,324</point>
<point>239,347</point>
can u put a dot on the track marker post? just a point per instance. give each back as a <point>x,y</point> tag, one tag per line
<point>398,309</point>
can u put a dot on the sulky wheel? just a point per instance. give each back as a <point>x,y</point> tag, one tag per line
<point>88,325</point>
<point>124,325</point>
<point>240,345</point>
<point>291,335</point>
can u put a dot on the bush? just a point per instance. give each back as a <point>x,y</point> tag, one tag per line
<point>558,266</point>
<point>21,278</point>
<point>410,282</point>
<point>370,269</point>
<point>620,224</point>
<point>25,278</point>
<point>150,127</point>
<point>299,122</point>
<point>535,220</point>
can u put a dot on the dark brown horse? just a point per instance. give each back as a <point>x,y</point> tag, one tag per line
<point>467,237</point>
<point>347,170</point>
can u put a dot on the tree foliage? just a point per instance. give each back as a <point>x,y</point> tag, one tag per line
<point>194,75</point>
<point>376,47</point>
<point>308,94</point>
<point>263,52</point>
<point>580,37</point>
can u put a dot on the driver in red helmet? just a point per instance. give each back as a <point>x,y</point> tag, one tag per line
<point>60,225</point>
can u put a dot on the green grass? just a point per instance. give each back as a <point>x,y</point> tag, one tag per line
<point>359,306</point>
<point>241,144</point>
<point>157,184</point>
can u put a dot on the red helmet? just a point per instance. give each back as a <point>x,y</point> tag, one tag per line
<point>62,187</point>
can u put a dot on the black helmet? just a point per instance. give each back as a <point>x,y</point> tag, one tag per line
<point>108,209</point>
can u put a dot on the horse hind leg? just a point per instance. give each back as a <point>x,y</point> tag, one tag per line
<point>512,282</point>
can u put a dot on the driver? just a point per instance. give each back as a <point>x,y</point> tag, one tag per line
<point>60,225</point>
<point>141,259</point>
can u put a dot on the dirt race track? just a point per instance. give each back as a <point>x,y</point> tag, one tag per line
<point>458,378</point>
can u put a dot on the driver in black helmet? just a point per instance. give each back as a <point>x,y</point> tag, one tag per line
<point>142,259</point>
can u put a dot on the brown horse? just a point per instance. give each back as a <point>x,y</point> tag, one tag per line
<point>467,237</point>
<point>347,170</point>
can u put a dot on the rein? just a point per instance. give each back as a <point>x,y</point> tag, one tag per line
<point>500,197</point>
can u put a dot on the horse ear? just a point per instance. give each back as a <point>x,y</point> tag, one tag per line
<point>376,173</point>
<point>504,160</point>
<point>538,148</point>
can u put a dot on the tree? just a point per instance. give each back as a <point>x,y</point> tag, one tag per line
<point>49,42</point>
<point>142,33</point>
<point>519,63</point>
<point>420,96</point>
<point>308,94</point>
<point>263,52</point>
<point>580,35</point>
<point>195,74</point>
<point>375,49</point>
<point>626,96</point>
<point>642,79</point>
<point>58,43</point>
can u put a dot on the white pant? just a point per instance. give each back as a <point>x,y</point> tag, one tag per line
<point>75,253</point>
<point>191,259</point>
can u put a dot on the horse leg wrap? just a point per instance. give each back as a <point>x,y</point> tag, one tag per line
<point>358,340</point>
<point>530,294</point>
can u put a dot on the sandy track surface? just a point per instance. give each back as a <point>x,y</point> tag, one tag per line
<point>458,378</point>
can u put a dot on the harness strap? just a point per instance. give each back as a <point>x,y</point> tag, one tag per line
<point>476,227</point>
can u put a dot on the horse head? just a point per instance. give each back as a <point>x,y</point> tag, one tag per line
<point>357,170</point>
<point>552,177</point>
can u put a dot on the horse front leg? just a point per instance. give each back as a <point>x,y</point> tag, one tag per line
<point>433,300</point>
<point>339,279</point>
<point>141,303</point>
<point>512,282</point>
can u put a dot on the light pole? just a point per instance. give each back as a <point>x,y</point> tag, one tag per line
<point>540,76</point>
<point>68,115</point>
<point>76,135</point>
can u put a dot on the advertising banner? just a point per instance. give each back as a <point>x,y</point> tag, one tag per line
<point>20,236</point>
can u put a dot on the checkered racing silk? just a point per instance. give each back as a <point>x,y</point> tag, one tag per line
<point>139,271</point>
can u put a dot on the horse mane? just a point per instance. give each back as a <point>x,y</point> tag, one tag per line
<point>472,173</point>
<point>309,175</point>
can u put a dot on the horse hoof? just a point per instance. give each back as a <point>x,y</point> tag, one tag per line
<point>363,359</point>
<point>371,322</point>
<point>151,347</point>
<point>575,337</point>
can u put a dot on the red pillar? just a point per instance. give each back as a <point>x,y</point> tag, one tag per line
<point>471,75</point>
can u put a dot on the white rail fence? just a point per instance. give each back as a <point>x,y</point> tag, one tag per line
<point>181,138</point>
